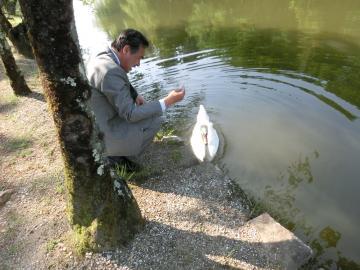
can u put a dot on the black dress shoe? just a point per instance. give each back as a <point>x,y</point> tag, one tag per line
<point>130,166</point>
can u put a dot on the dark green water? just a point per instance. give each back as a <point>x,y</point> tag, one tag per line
<point>280,79</point>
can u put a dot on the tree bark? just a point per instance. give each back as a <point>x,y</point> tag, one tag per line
<point>9,5</point>
<point>17,80</point>
<point>17,35</point>
<point>4,23</point>
<point>101,208</point>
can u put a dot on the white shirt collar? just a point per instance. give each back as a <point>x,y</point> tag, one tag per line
<point>117,60</point>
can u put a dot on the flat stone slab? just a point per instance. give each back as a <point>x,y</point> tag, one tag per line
<point>277,244</point>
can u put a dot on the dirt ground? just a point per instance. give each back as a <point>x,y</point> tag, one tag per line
<point>193,221</point>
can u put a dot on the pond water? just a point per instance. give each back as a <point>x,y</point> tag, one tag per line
<point>280,80</point>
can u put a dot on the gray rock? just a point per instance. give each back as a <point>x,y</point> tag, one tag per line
<point>277,243</point>
<point>5,196</point>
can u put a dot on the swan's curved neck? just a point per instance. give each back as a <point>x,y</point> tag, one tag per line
<point>204,134</point>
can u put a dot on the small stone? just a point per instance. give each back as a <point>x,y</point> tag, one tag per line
<point>88,254</point>
<point>5,196</point>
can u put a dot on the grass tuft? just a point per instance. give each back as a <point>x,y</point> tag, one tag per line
<point>121,171</point>
<point>16,144</point>
<point>50,245</point>
<point>163,132</point>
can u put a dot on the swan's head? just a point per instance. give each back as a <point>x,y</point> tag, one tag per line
<point>204,134</point>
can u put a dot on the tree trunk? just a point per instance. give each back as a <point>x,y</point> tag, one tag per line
<point>17,80</point>
<point>101,208</point>
<point>4,23</point>
<point>17,35</point>
<point>9,6</point>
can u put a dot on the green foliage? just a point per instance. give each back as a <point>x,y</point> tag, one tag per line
<point>88,2</point>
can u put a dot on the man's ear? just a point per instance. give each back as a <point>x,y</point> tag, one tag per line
<point>126,49</point>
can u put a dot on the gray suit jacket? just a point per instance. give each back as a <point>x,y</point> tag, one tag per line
<point>121,121</point>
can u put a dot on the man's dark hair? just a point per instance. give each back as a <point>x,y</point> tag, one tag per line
<point>130,37</point>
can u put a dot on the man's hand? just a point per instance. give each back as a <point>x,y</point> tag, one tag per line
<point>139,100</point>
<point>174,96</point>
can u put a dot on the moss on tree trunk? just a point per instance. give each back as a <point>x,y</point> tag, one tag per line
<point>101,208</point>
<point>17,80</point>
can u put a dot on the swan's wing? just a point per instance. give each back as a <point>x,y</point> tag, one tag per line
<point>202,116</point>
<point>213,141</point>
<point>197,145</point>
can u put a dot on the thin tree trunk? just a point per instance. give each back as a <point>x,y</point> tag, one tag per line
<point>4,23</point>
<point>17,80</point>
<point>10,6</point>
<point>17,35</point>
<point>102,210</point>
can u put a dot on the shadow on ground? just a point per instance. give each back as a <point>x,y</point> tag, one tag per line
<point>182,249</point>
<point>37,96</point>
<point>7,106</point>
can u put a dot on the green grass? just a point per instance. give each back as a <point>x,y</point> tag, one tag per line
<point>140,177</point>
<point>17,144</point>
<point>8,101</point>
<point>60,189</point>
<point>25,153</point>
<point>163,132</point>
<point>14,249</point>
<point>9,97</point>
<point>51,244</point>
<point>122,172</point>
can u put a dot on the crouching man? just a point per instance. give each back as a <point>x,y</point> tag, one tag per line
<point>128,122</point>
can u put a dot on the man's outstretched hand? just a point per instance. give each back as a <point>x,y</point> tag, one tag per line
<point>174,96</point>
<point>139,100</point>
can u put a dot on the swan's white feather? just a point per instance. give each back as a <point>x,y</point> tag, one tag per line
<point>213,141</point>
<point>198,147</point>
<point>197,144</point>
<point>202,116</point>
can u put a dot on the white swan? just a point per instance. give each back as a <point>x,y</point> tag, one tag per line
<point>204,139</point>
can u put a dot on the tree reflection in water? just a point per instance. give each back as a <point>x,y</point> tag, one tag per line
<point>317,39</point>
